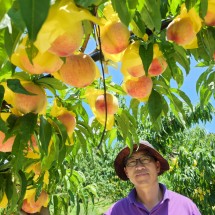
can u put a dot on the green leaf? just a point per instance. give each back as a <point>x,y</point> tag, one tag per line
<point>11,40</point>
<point>25,125</point>
<point>16,87</point>
<point>121,8</point>
<point>15,16</point>
<point>182,58</point>
<point>5,5</point>
<point>23,186</point>
<point>146,55</point>
<point>17,152</point>
<point>1,94</point>
<point>54,83</point>
<point>151,14</point>
<point>132,4</point>
<point>203,7</point>
<point>183,96</point>
<point>45,133</point>
<point>154,105</point>
<point>34,13</point>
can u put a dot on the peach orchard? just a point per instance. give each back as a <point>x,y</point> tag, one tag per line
<point>51,86</point>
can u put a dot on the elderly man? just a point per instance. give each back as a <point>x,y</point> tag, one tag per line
<point>149,197</point>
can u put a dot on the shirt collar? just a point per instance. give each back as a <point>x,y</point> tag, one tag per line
<point>132,195</point>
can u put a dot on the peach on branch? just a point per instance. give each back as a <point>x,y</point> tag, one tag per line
<point>6,145</point>
<point>157,67</point>
<point>30,103</point>
<point>114,37</point>
<point>131,61</point>
<point>210,15</point>
<point>79,70</point>
<point>139,88</point>
<point>183,29</point>
<point>67,43</point>
<point>30,205</point>
<point>111,104</point>
<point>68,120</point>
<point>62,32</point>
<point>41,62</point>
<point>98,108</point>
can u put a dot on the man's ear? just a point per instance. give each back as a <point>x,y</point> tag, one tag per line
<point>126,172</point>
<point>158,166</point>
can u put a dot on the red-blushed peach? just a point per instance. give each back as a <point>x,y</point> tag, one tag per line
<point>30,103</point>
<point>131,61</point>
<point>114,37</point>
<point>139,88</point>
<point>111,105</point>
<point>45,62</point>
<point>6,146</point>
<point>68,120</point>
<point>31,206</point>
<point>67,43</point>
<point>157,67</point>
<point>78,71</point>
<point>210,15</point>
<point>181,31</point>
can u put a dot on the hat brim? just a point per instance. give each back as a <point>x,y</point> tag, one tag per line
<point>142,146</point>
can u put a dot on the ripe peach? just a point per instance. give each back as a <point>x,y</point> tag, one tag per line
<point>139,88</point>
<point>65,44</point>
<point>31,206</point>
<point>30,103</point>
<point>112,104</point>
<point>114,37</point>
<point>8,144</point>
<point>157,67</point>
<point>68,120</point>
<point>214,56</point>
<point>210,16</point>
<point>181,31</point>
<point>78,71</point>
<point>41,63</point>
<point>131,61</point>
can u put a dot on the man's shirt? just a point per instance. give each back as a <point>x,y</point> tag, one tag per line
<point>172,204</point>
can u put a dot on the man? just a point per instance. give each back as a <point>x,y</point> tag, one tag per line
<point>149,197</point>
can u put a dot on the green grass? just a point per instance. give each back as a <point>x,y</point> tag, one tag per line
<point>97,209</point>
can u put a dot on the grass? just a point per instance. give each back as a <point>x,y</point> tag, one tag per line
<point>97,209</point>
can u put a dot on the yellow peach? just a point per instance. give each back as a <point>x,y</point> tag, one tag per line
<point>31,206</point>
<point>67,43</point>
<point>157,67</point>
<point>131,61</point>
<point>111,105</point>
<point>30,103</point>
<point>181,31</point>
<point>114,37</point>
<point>78,71</point>
<point>68,120</point>
<point>41,63</point>
<point>210,15</point>
<point>139,88</point>
<point>6,146</point>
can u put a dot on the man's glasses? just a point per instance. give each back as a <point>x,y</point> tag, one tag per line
<point>143,160</point>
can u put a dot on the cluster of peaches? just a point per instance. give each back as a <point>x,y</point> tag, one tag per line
<point>60,37</point>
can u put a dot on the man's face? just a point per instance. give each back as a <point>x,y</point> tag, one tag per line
<point>142,169</point>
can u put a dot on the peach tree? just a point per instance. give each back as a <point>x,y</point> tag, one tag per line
<point>58,98</point>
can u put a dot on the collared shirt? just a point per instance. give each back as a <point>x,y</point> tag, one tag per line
<point>172,204</point>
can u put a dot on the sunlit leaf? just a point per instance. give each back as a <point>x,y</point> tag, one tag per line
<point>34,13</point>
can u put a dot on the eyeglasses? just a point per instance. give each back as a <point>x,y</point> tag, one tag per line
<point>143,160</point>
